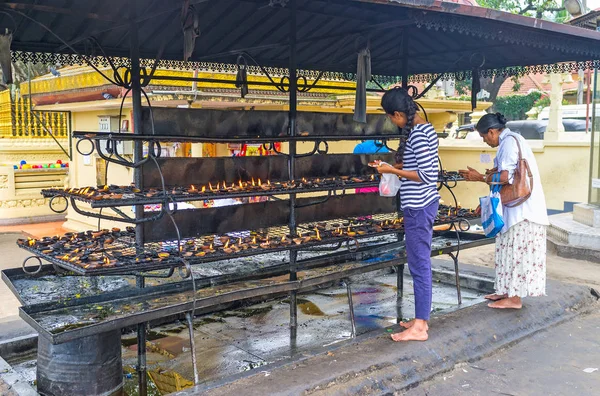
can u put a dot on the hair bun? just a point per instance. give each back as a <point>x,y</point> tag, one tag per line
<point>501,119</point>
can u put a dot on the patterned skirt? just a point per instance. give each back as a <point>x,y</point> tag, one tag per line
<point>521,260</point>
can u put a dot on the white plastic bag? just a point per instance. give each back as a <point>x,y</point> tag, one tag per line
<point>389,184</point>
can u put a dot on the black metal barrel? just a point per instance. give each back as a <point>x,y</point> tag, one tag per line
<point>88,366</point>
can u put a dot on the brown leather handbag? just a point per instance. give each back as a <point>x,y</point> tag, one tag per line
<point>520,190</point>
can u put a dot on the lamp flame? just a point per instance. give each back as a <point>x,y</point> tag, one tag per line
<point>259,183</point>
<point>254,240</point>
<point>318,234</point>
<point>203,189</point>
<point>240,184</point>
<point>253,184</point>
<point>226,244</point>
<point>193,188</point>
<point>106,260</point>
<point>240,242</point>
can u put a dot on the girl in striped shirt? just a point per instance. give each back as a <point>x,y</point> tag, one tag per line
<point>417,166</point>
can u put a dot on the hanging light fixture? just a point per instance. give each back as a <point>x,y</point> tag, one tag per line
<point>574,7</point>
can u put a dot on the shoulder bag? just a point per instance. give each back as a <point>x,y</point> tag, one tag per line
<point>520,190</point>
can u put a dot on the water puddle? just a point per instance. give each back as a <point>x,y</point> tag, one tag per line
<point>310,308</point>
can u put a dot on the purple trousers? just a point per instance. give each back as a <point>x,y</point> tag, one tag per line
<point>418,229</point>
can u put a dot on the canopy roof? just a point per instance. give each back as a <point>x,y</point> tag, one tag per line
<point>443,36</point>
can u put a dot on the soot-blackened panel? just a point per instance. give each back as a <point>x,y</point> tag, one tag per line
<point>223,124</point>
<point>197,222</point>
<point>201,171</point>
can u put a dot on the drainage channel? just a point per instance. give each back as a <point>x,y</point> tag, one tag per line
<point>253,336</point>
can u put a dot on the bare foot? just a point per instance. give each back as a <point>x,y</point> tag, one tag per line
<point>416,332</point>
<point>407,325</point>
<point>411,323</point>
<point>510,303</point>
<point>496,297</point>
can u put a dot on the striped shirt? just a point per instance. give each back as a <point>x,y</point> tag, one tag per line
<point>421,155</point>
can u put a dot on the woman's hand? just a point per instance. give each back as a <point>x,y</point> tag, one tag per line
<point>385,168</point>
<point>471,174</point>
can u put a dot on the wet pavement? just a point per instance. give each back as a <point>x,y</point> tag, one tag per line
<point>235,341</point>
<point>238,340</point>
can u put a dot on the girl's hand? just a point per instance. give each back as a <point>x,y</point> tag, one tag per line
<point>385,168</point>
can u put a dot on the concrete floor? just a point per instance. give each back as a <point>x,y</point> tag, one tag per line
<point>551,362</point>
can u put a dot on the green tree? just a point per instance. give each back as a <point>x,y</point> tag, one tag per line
<point>21,72</point>
<point>551,10</point>
<point>515,107</point>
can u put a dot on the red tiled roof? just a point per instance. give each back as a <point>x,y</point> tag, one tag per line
<point>532,82</point>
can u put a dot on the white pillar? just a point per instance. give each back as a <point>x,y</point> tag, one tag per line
<point>555,126</point>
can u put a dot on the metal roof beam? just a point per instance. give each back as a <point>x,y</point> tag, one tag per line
<point>307,40</point>
<point>58,10</point>
<point>123,23</point>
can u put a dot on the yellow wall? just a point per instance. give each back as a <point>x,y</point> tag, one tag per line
<point>86,77</point>
<point>563,166</point>
<point>83,175</point>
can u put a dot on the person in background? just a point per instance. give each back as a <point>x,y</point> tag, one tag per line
<point>521,244</point>
<point>369,147</point>
<point>418,154</point>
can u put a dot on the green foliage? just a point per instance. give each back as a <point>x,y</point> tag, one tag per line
<point>516,83</point>
<point>463,98</point>
<point>551,10</point>
<point>515,107</point>
<point>22,71</point>
<point>463,87</point>
<point>544,101</point>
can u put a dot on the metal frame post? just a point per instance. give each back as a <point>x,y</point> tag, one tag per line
<point>400,268</point>
<point>292,163</point>
<point>351,306</point>
<point>399,281</point>
<point>136,98</point>
<point>593,142</point>
<point>457,276</point>
<point>405,38</point>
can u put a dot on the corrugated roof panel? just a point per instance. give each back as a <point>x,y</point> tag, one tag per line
<point>438,30</point>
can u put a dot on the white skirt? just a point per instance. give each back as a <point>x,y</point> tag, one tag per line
<point>521,260</point>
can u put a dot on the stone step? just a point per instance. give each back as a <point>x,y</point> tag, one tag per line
<point>564,229</point>
<point>588,215</point>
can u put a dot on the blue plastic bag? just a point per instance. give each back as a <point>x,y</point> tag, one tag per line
<point>491,210</point>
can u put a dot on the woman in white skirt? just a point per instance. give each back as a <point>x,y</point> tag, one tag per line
<point>521,245</point>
